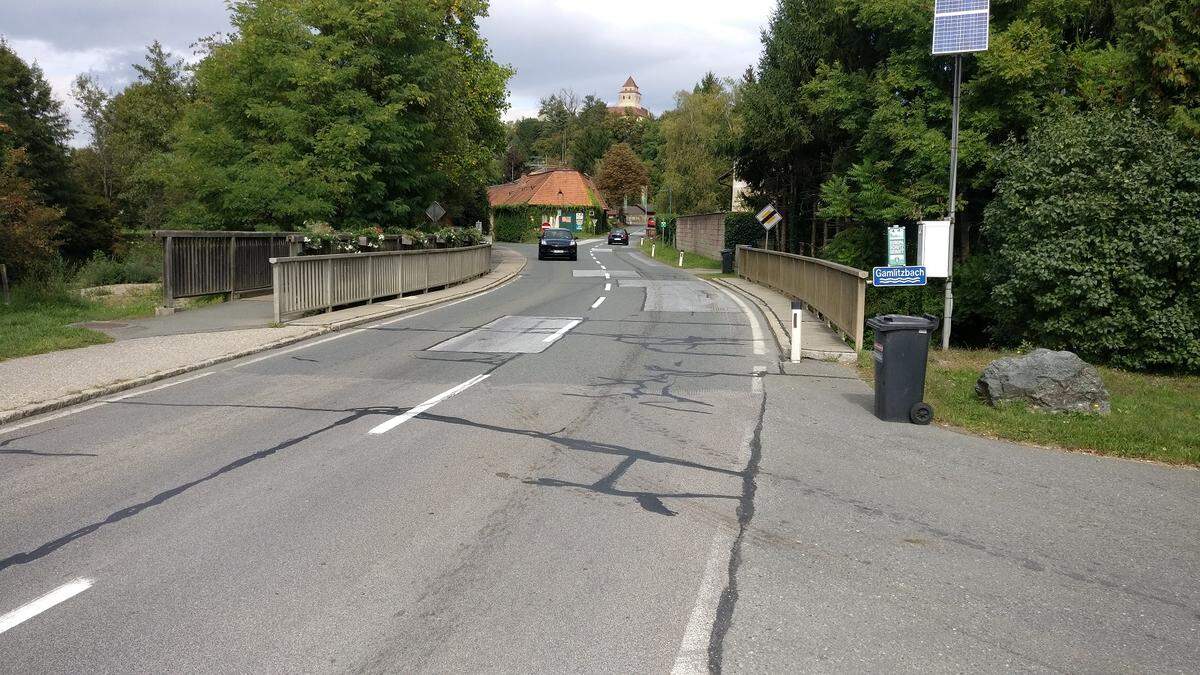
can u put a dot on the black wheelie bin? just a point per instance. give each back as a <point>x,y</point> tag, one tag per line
<point>901,353</point>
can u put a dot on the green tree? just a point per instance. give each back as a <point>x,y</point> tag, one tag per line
<point>143,117</point>
<point>622,175</point>
<point>27,226</point>
<point>843,82</point>
<point>40,130</point>
<point>1094,229</point>
<point>695,152</point>
<point>354,111</point>
<point>36,123</point>
<point>591,139</point>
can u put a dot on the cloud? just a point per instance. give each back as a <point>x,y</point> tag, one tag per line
<point>78,25</point>
<point>590,46</point>
<point>67,38</point>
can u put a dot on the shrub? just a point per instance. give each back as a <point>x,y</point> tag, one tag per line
<point>1095,227</point>
<point>861,247</point>
<point>140,264</point>
<point>743,229</point>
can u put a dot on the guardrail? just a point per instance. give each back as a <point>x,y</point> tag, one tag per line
<point>322,282</point>
<point>199,262</point>
<point>837,292</point>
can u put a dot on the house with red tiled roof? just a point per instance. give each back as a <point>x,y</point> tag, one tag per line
<point>560,197</point>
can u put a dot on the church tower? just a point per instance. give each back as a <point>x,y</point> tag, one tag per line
<point>629,101</point>
<point>630,96</point>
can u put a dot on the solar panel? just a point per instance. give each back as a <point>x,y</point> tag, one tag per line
<point>960,26</point>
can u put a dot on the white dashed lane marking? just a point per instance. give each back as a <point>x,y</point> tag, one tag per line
<point>31,609</point>
<point>401,419</point>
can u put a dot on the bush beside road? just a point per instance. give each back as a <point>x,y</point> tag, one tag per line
<point>1153,417</point>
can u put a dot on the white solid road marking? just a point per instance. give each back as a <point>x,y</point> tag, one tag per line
<point>603,267</point>
<point>401,419</point>
<point>104,402</point>
<point>607,275</point>
<point>599,302</point>
<point>562,331</point>
<point>607,287</point>
<point>692,657</point>
<point>756,332</point>
<point>57,596</point>
<point>756,383</point>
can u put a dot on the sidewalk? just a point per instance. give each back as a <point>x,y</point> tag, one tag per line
<point>884,547</point>
<point>819,341</point>
<point>192,340</point>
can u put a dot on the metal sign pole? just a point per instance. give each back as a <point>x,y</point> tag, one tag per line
<point>949,308</point>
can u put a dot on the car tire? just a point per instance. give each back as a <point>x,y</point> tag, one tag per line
<point>574,258</point>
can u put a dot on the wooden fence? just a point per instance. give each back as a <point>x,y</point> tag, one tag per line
<point>837,292</point>
<point>198,262</point>
<point>322,282</point>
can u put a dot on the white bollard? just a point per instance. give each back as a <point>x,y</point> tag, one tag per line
<point>681,258</point>
<point>797,323</point>
<point>641,240</point>
<point>651,249</point>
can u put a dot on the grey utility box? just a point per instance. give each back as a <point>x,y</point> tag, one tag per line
<point>901,353</point>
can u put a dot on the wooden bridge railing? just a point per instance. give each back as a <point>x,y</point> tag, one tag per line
<point>322,282</point>
<point>837,292</point>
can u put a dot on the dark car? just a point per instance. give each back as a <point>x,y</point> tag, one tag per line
<point>618,236</point>
<point>558,243</point>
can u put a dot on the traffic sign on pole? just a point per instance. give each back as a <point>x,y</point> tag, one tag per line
<point>435,212</point>
<point>769,217</point>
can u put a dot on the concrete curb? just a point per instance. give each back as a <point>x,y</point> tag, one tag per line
<point>781,335</point>
<point>9,416</point>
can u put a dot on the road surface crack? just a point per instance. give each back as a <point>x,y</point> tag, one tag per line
<point>745,514</point>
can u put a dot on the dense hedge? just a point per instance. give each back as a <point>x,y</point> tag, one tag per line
<point>512,224</point>
<point>1096,228</point>
<point>742,229</point>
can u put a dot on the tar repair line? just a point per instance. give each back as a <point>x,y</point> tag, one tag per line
<point>692,657</point>
<point>104,402</point>
<point>57,596</point>
<point>401,419</point>
<point>756,332</point>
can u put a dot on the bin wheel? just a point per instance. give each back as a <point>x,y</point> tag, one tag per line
<point>921,413</point>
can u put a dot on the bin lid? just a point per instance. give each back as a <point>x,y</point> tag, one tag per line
<point>890,322</point>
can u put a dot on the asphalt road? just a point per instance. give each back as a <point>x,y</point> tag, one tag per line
<point>572,473</point>
<point>557,515</point>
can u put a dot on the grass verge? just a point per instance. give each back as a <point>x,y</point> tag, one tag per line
<point>1154,417</point>
<point>670,255</point>
<point>37,320</point>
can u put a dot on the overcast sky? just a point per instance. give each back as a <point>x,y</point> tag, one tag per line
<point>589,46</point>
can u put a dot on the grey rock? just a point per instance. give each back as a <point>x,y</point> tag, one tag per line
<point>1045,380</point>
